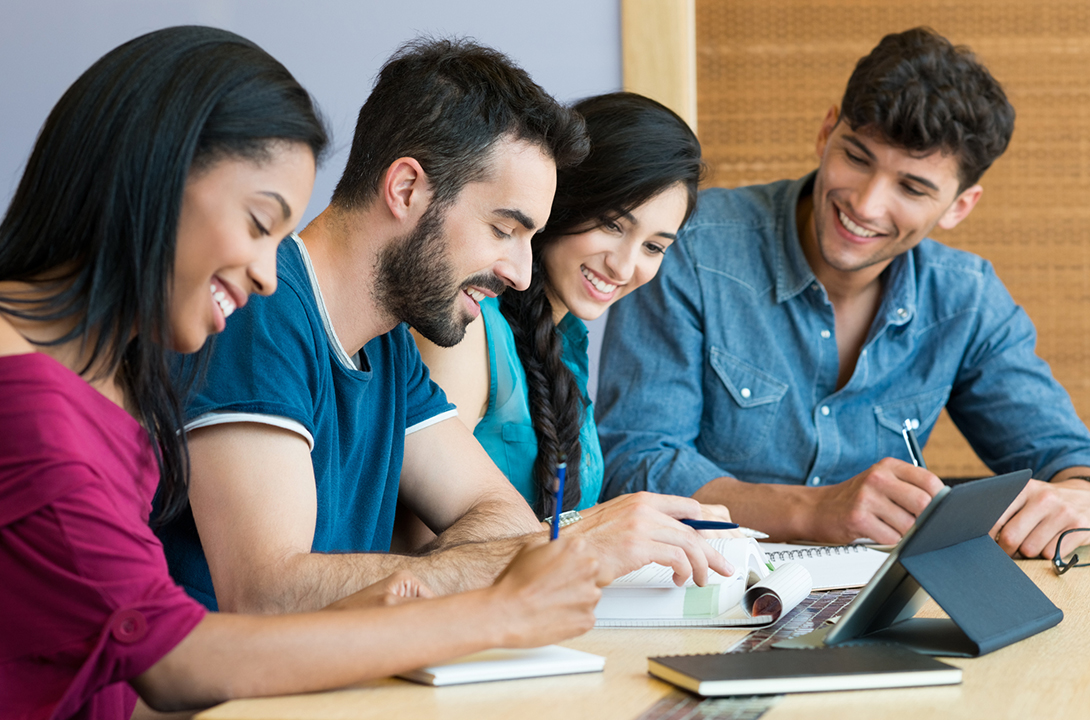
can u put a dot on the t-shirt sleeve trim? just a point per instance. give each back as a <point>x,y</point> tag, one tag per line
<point>223,418</point>
<point>431,421</point>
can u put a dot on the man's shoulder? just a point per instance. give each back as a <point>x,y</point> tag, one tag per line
<point>956,270</point>
<point>738,232</point>
<point>751,206</point>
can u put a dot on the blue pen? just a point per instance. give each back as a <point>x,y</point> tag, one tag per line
<point>709,524</point>
<point>560,472</point>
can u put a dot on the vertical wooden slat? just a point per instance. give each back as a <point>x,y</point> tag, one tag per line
<point>659,52</point>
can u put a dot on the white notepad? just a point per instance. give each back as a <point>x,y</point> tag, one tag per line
<point>648,598</point>
<point>508,665</point>
<point>833,567</point>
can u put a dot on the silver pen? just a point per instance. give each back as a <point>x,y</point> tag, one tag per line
<point>914,451</point>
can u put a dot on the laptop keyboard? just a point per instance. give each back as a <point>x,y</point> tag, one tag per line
<point>808,615</point>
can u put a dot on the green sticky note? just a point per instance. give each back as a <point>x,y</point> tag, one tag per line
<point>701,602</point>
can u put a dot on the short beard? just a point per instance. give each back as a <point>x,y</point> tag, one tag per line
<point>415,282</point>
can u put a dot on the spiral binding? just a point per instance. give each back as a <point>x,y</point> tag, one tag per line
<point>814,551</point>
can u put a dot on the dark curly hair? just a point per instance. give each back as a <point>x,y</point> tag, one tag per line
<point>638,148</point>
<point>922,93</point>
<point>446,103</point>
<point>97,208</point>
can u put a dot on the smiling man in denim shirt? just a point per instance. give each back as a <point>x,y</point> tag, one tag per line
<point>795,326</point>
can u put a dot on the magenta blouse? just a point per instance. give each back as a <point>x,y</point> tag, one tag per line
<point>86,603</point>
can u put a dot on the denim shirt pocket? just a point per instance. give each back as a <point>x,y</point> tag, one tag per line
<point>890,416</point>
<point>736,424</point>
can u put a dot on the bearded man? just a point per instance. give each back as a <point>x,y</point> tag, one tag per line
<point>316,416</point>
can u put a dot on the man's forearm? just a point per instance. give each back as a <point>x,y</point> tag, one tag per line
<point>311,581</point>
<point>785,512</point>
<point>487,521</point>
<point>1077,472</point>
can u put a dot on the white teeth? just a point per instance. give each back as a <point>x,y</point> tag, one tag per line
<point>227,305</point>
<point>475,294</point>
<point>855,229</point>
<point>600,285</point>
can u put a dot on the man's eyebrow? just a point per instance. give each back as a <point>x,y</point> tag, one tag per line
<point>518,216</point>
<point>284,207</point>
<point>860,146</point>
<point>915,178</point>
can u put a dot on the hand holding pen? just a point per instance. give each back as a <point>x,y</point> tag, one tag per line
<point>558,505</point>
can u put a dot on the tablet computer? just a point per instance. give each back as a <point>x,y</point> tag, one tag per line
<point>948,555</point>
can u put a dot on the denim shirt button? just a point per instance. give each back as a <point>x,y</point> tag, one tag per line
<point>746,392</point>
<point>824,409</point>
<point>816,480</point>
<point>902,313</point>
<point>814,286</point>
<point>825,334</point>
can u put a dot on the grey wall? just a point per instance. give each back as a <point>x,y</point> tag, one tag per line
<point>334,47</point>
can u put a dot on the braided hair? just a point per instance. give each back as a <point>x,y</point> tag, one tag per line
<point>638,148</point>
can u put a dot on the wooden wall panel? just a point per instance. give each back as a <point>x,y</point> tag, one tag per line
<point>767,71</point>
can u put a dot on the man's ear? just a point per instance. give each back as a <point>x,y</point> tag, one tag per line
<point>405,188</point>
<point>831,119</point>
<point>963,205</point>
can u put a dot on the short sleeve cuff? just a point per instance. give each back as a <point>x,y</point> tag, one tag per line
<point>434,419</point>
<point>223,418</point>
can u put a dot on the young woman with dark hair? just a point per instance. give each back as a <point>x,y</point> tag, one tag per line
<point>519,378</point>
<point>151,207</point>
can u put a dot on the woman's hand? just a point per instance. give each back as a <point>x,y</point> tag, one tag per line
<point>721,514</point>
<point>631,531</point>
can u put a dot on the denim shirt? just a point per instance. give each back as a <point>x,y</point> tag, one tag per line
<point>726,363</point>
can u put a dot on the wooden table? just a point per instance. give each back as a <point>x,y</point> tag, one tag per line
<point>1046,676</point>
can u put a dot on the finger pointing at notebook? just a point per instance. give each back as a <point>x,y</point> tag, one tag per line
<point>633,530</point>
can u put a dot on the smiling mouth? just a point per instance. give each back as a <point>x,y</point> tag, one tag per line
<point>477,295</point>
<point>600,285</point>
<point>227,305</point>
<point>854,229</point>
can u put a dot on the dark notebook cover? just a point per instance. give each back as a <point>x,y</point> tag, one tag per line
<point>786,671</point>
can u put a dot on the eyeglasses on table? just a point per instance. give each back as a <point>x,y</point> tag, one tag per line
<point>1058,563</point>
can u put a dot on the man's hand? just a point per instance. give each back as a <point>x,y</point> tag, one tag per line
<point>880,503</point>
<point>547,593</point>
<point>400,587</point>
<point>631,531</point>
<point>1033,522</point>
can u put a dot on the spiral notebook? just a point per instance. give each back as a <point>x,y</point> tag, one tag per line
<point>833,567</point>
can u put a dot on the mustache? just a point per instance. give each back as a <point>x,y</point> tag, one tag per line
<point>485,281</point>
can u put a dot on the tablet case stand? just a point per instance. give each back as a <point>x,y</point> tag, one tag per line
<point>949,556</point>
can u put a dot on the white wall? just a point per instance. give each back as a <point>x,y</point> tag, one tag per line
<point>572,48</point>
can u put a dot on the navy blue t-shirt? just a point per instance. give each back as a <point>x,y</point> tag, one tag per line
<point>279,362</point>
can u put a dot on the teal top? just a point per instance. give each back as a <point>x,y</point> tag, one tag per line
<point>506,431</point>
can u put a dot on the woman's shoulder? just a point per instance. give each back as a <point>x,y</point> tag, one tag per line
<point>11,341</point>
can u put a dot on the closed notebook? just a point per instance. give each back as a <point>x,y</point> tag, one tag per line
<point>508,665</point>
<point>773,672</point>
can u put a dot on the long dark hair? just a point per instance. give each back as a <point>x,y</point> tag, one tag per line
<point>638,148</point>
<point>93,222</point>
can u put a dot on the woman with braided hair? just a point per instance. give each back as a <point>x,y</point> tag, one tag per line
<point>519,378</point>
